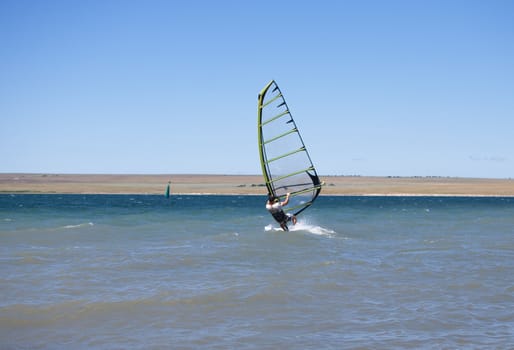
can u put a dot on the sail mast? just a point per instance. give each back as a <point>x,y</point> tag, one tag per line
<point>262,150</point>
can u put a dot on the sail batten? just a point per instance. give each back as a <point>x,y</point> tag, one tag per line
<point>281,135</point>
<point>286,154</point>
<point>272,100</point>
<point>285,162</point>
<point>275,117</point>
<point>289,175</point>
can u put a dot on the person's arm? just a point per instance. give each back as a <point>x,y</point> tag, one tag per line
<point>286,200</point>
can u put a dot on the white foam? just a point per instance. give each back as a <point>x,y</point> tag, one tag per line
<point>271,228</point>
<point>313,229</point>
<point>79,225</point>
<point>302,226</point>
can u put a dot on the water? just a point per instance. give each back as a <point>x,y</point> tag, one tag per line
<point>209,272</point>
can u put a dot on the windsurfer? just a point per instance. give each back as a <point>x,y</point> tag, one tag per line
<point>274,206</point>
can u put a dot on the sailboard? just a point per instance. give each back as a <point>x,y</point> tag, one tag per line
<point>285,161</point>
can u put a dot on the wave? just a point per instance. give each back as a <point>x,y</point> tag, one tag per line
<point>86,224</point>
<point>313,229</point>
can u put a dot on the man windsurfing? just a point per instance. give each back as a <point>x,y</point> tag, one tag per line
<point>274,206</point>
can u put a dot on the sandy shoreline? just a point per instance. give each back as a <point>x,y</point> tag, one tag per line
<point>248,185</point>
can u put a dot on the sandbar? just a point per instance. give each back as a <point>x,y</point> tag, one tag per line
<point>248,185</point>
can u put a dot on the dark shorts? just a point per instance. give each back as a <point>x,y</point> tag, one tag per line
<point>281,217</point>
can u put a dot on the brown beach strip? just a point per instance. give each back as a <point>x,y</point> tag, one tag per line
<point>248,185</point>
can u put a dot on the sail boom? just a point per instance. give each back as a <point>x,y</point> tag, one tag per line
<point>303,205</point>
<point>306,191</point>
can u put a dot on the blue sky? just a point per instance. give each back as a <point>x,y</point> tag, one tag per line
<point>379,88</point>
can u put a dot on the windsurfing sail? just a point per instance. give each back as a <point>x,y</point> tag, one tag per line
<point>286,164</point>
<point>167,194</point>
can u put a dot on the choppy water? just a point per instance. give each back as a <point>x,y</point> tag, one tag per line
<point>207,272</point>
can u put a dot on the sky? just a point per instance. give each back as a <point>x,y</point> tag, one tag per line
<point>377,88</point>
